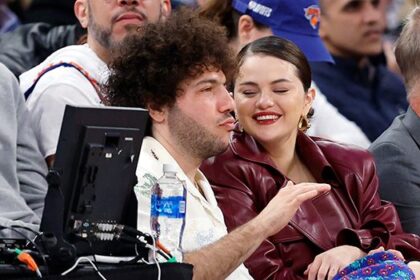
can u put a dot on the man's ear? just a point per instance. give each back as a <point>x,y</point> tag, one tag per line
<point>245,27</point>
<point>166,8</point>
<point>158,115</point>
<point>81,10</point>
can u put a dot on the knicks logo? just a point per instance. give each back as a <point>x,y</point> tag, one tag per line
<point>313,14</point>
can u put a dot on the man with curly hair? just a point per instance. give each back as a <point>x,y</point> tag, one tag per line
<point>73,75</point>
<point>178,71</point>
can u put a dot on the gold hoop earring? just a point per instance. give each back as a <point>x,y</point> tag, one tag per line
<point>304,123</point>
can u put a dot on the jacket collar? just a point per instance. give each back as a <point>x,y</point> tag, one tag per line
<point>244,146</point>
<point>412,122</point>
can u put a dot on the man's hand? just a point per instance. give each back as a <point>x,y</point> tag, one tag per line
<point>329,263</point>
<point>284,205</point>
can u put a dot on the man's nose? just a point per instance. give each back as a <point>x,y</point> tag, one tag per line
<point>226,103</point>
<point>373,13</point>
<point>128,2</point>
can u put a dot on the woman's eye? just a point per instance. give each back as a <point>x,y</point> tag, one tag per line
<point>248,92</point>
<point>280,91</point>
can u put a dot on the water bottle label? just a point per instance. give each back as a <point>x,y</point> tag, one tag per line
<point>171,207</point>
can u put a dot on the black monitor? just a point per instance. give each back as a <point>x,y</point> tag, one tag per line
<point>92,179</point>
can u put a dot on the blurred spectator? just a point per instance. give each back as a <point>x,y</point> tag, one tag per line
<point>22,168</point>
<point>30,44</point>
<point>397,150</point>
<point>396,13</point>
<point>295,20</point>
<point>18,7</point>
<point>190,3</point>
<point>359,85</point>
<point>8,19</point>
<point>73,75</point>
<point>54,12</point>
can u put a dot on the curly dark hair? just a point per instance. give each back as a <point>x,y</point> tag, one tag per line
<point>150,66</point>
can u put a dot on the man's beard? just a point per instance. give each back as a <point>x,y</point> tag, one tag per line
<point>101,34</point>
<point>192,137</point>
<point>104,35</point>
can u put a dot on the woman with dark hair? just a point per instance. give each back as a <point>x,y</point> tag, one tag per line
<point>297,21</point>
<point>269,148</point>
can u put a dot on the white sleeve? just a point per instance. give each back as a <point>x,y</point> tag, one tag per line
<point>48,110</point>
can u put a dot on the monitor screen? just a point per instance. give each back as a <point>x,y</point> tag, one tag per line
<point>93,175</point>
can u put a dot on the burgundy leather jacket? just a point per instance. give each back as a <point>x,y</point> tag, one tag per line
<point>245,179</point>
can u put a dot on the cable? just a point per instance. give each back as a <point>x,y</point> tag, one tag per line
<point>77,263</point>
<point>125,233</point>
<point>27,259</point>
<point>157,250</point>
<point>112,259</point>
<point>155,259</point>
<point>91,246</point>
<point>143,243</point>
<point>146,262</point>
<point>13,228</point>
<point>19,233</point>
<point>37,235</point>
<point>26,228</point>
<point>163,248</point>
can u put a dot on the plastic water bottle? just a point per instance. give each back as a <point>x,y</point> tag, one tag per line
<point>168,205</point>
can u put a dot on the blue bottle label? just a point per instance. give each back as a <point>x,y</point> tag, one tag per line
<point>171,207</point>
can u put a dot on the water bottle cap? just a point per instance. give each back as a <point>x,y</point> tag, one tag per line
<point>169,168</point>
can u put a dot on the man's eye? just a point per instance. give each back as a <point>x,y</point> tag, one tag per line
<point>376,3</point>
<point>353,6</point>
<point>207,89</point>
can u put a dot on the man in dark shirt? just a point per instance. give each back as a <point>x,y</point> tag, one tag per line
<point>359,84</point>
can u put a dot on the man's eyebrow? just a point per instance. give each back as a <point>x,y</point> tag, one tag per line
<point>210,81</point>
